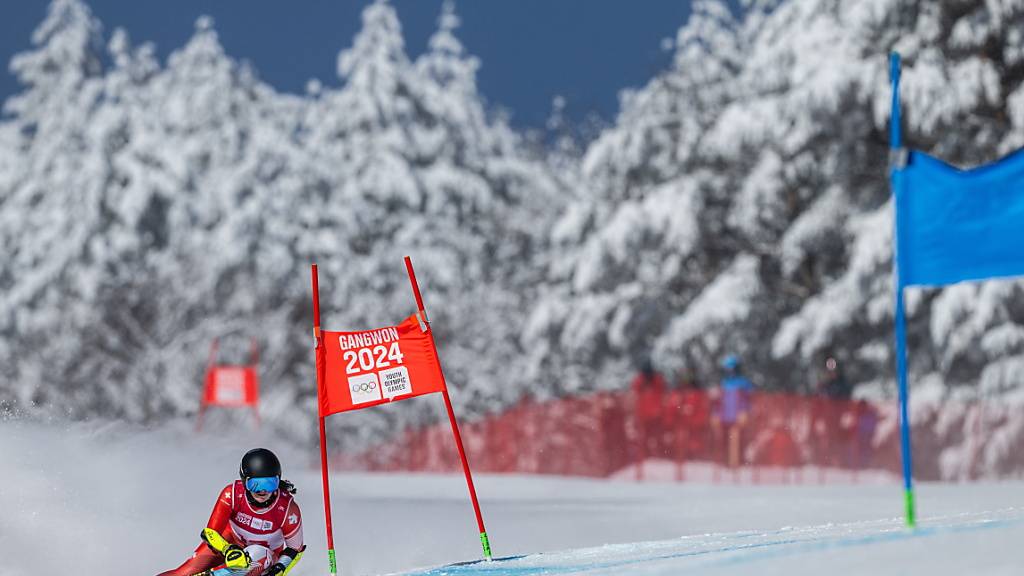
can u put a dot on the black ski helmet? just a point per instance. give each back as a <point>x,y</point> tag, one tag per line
<point>259,463</point>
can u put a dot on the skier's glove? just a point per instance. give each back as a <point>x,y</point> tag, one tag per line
<point>214,540</point>
<point>235,558</point>
<point>275,570</point>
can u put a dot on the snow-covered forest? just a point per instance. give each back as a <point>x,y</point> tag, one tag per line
<point>739,203</point>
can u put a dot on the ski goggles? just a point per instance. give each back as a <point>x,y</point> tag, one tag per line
<point>264,484</point>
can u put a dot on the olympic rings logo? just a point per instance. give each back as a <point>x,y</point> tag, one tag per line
<point>364,387</point>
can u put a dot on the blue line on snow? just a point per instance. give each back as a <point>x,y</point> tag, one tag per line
<point>771,549</point>
<point>818,544</point>
<point>490,569</point>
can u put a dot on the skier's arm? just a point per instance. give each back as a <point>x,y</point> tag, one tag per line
<point>294,545</point>
<point>221,511</point>
<point>293,527</point>
<point>221,514</point>
<point>216,527</point>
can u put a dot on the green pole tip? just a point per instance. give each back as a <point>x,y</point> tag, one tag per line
<point>486,544</point>
<point>911,512</point>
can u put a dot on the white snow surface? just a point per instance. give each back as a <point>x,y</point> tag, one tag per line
<point>116,500</point>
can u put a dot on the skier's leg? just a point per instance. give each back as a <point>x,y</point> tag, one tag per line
<point>734,445</point>
<point>203,559</point>
<point>261,558</point>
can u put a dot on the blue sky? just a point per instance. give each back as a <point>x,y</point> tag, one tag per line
<point>531,50</point>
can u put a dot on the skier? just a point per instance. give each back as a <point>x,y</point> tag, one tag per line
<point>255,528</point>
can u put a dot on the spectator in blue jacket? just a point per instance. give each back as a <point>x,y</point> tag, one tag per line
<point>733,408</point>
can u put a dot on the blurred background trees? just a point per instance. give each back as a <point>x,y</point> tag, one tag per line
<point>739,204</point>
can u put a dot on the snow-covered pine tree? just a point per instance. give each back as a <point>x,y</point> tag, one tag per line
<point>126,236</point>
<point>52,205</point>
<point>484,180</point>
<point>10,165</point>
<point>739,203</point>
<point>789,244</point>
<point>417,167</point>
<point>171,216</point>
<point>224,178</point>
<point>805,140</point>
<point>634,249</point>
<point>961,93</point>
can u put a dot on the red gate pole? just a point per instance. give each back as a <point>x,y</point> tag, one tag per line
<point>484,541</point>
<point>254,365</point>
<point>211,360</point>
<point>199,417</point>
<point>320,377</point>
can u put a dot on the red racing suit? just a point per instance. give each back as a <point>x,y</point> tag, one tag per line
<point>264,532</point>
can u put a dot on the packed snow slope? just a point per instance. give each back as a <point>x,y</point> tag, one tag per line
<point>122,500</point>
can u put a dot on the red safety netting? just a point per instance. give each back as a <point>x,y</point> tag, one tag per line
<point>782,438</point>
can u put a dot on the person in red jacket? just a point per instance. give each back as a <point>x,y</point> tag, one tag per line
<point>649,396</point>
<point>692,415</point>
<point>255,528</point>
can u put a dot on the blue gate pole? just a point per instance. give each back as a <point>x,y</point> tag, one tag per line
<point>898,158</point>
